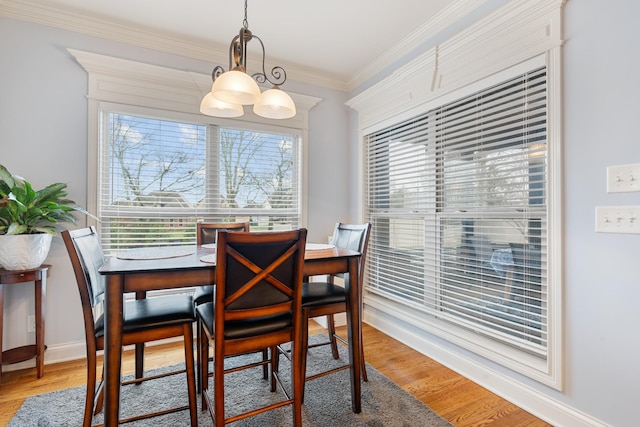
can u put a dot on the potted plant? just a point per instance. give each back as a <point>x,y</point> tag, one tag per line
<point>28,220</point>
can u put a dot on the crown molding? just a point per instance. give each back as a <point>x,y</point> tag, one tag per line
<point>447,17</point>
<point>511,35</point>
<point>67,19</point>
<point>108,29</point>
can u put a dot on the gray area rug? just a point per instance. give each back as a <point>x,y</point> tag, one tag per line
<point>327,400</point>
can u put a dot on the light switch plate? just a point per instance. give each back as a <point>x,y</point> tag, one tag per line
<point>618,219</point>
<point>623,178</point>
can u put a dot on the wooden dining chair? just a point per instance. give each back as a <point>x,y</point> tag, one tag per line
<point>144,320</point>
<point>257,305</point>
<point>206,233</point>
<point>326,298</point>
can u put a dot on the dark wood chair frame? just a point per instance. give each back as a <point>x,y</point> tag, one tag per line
<point>176,323</point>
<point>258,276</point>
<point>330,299</point>
<point>206,233</point>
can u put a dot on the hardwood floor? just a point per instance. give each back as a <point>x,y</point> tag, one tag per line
<point>462,402</point>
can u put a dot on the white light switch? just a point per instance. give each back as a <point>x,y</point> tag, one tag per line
<point>623,178</point>
<point>618,219</point>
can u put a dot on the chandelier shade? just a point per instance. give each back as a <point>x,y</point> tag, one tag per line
<point>214,107</point>
<point>275,104</point>
<point>235,87</point>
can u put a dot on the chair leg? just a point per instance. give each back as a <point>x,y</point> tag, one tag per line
<point>139,348</point>
<point>360,340</point>
<point>218,390</point>
<point>190,372</point>
<point>362,363</point>
<point>265,358</point>
<point>334,346</point>
<point>297,377</point>
<point>331,329</point>
<point>198,359</point>
<point>203,377</point>
<point>99,400</point>
<point>91,391</point>
<point>304,347</point>
<point>139,351</point>
<point>275,362</point>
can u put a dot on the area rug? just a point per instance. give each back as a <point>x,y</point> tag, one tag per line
<point>327,400</point>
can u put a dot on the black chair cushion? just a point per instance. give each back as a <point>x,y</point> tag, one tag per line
<point>203,294</point>
<point>154,312</point>
<point>241,328</point>
<point>322,293</point>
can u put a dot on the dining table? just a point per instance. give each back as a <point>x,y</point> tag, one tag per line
<point>163,268</point>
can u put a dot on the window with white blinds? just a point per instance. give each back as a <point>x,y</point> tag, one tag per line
<point>458,201</point>
<point>159,177</point>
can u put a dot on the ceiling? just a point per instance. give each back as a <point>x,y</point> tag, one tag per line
<point>336,37</point>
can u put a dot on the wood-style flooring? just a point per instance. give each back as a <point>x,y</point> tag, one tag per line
<point>459,400</point>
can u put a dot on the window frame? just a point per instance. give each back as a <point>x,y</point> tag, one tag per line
<point>504,354</point>
<point>212,125</point>
<point>513,38</point>
<point>137,85</point>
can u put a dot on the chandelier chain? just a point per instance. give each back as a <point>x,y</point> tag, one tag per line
<point>245,22</point>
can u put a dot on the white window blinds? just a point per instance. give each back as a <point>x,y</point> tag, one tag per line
<point>457,198</point>
<point>159,177</point>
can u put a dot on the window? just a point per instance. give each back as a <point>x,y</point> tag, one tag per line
<point>457,196</point>
<point>157,166</point>
<point>159,176</point>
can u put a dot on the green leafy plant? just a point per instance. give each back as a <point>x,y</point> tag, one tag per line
<point>24,210</point>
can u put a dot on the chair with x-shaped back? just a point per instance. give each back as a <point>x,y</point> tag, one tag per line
<point>257,305</point>
<point>206,234</point>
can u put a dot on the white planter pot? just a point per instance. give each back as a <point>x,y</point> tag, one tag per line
<point>24,251</point>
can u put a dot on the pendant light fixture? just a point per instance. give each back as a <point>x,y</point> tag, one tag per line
<point>234,88</point>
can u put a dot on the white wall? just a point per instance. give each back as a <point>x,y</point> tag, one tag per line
<point>43,137</point>
<point>602,280</point>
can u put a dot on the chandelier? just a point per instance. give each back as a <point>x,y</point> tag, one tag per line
<point>234,88</point>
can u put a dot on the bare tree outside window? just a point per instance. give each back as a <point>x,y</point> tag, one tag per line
<point>160,177</point>
<point>155,172</point>
<point>257,171</point>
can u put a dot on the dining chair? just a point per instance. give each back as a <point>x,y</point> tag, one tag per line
<point>145,320</point>
<point>257,305</point>
<point>326,298</point>
<point>206,234</point>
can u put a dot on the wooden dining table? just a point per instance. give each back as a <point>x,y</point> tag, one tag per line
<point>187,270</point>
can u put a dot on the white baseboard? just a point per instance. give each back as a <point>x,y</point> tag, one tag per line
<point>70,351</point>
<point>532,401</point>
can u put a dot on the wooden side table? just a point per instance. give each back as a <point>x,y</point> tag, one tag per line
<point>20,354</point>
